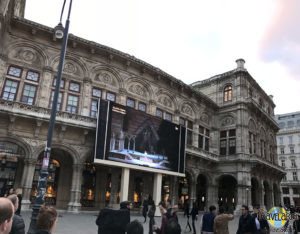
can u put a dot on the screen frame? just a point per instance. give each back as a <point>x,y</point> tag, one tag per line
<point>129,165</point>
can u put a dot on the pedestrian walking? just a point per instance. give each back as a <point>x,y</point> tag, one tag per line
<point>187,214</point>
<point>6,215</point>
<point>208,221</point>
<point>145,209</point>
<point>221,222</point>
<point>151,214</point>
<point>261,222</point>
<point>164,219</point>
<point>194,214</point>
<point>246,223</point>
<point>46,220</point>
<point>296,225</point>
<point>18,225</point>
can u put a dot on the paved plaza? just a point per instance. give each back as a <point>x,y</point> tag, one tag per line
<point>84,223</point>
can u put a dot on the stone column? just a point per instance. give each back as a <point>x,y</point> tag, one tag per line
<point>100,187</point>
<point>195,135</point>
<point>26,182</point>
<point>74,205</point>
<point>157,191</point>
<point>114,188</point>
<point>212,196</point>
<point>124,184</point>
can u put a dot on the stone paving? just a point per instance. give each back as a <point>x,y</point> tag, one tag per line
<point>84,223</point>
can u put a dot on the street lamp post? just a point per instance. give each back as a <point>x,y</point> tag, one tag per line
<point>42,183</point>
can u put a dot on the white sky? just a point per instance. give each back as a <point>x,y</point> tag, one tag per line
<point>195,39</point>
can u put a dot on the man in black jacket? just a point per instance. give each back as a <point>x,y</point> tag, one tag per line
<point>247,222</point>
<point>18,225</point>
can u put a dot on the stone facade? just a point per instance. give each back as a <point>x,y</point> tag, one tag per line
<point>288,141</point>
<point>231,156</point>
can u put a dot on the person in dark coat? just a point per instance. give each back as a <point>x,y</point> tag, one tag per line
<point>194,214</point>
<point>151,214</point>
<point>18,225</point>
<point>246,223</point>
<point>296,225</point>
<point>46,220</point>
<point>187,214</point>
<point>208,220</point>
<point>169,208</point>
<point>175,211</point>
<point>114,221</point>
<point>172,227</point>
<point>145,209</point>
<point>262,224</point>
<point>134,227</point>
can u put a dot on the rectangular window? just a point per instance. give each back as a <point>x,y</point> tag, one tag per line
<point>33,76</point>
<point>295,190</point>
<point>130,102</point>
<point>168,116</point>
<point>227,142</point>
<point>295,177</point>
<point>59,100</point>
<point>281,140</point>
<point>281,150</point>
<point>290,139</point>
<point>293,163</point>
<point>74,87</point>
<point>142,107</point>
<point>200,141</point>
<point>283,163</point>
<point>159,113</point>
<point>72,104</point>
<point>223,146</point>
<point>292,150</point>
<point>182,122</point>
<point>189,139</point>
<point>232,146</point>
<point>14,71</point>
<point>285,190</point>
<point>110,96</point>
<point>96,93</point>
<point>62,83</point>
<point>28,95</point>
<point>10,90</point>
<point>206,144</point>
<point>94,108</point>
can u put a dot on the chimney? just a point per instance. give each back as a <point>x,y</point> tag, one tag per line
<point>240,63</point>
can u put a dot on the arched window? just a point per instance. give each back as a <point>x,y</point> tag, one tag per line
<point>228,93</point>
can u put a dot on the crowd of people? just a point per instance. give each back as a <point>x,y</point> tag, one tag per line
<point>12,223</point>
<point>111,221</point>
<point>118,222</point>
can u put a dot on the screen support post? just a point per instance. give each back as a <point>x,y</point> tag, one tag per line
<point>124,184</point>
<point>157,191</point>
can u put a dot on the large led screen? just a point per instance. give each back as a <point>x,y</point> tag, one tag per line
<point>128,136</point>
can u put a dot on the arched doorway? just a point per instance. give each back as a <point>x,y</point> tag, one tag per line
<point>88,185</point>
<point>11,166</point>
<point>267,195</point>
<point>227,192</point>
<point>59,178</point>
<point>201,192</point>
<point>255,193</point>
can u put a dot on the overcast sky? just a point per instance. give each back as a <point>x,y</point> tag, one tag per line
<point>195,39</point>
